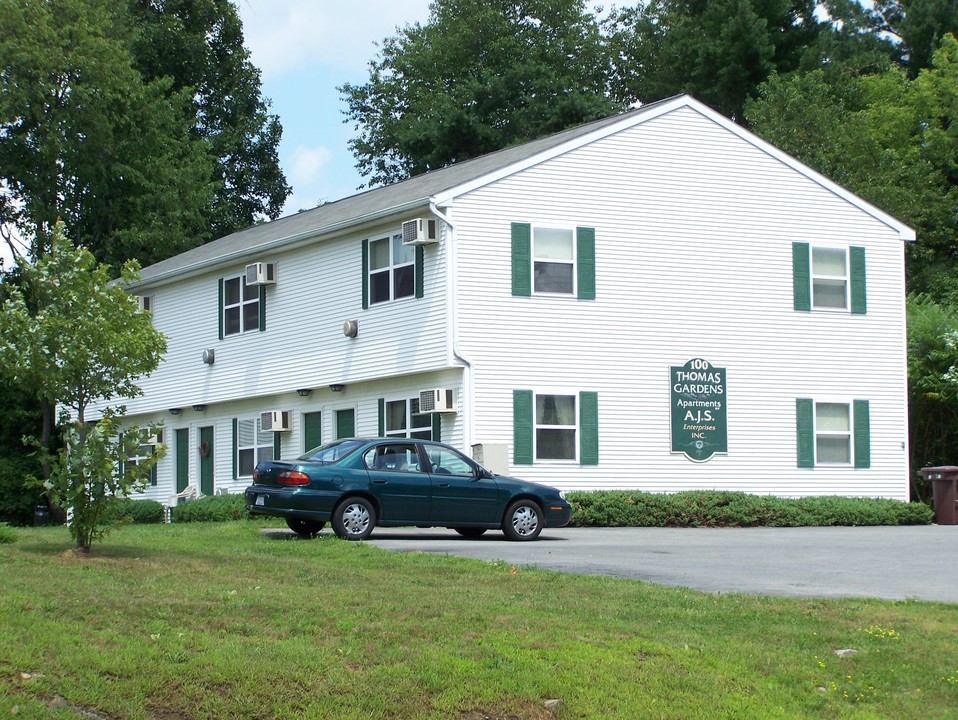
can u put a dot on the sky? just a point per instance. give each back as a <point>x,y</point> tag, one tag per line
<point>305,49</point>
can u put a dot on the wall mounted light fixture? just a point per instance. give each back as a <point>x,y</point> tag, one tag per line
<point>199,407</point>
<point>174,411</point>
<point>337,387</point>
<point>304,392</point>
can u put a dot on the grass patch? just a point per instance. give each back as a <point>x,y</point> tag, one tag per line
<point>215,620</point>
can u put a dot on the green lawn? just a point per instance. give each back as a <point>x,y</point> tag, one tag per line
<point>218,621</point>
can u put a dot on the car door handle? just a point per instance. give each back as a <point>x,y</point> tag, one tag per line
<point>380,481</point>
<point>443,484</point>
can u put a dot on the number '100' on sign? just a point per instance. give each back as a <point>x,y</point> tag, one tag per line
<point>699,417</point>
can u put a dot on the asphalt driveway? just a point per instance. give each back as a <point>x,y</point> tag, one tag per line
<point>893,563</point>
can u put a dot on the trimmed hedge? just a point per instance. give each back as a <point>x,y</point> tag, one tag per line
<point>144,512</point>
<point>212,508</point>
<point>624,508</point>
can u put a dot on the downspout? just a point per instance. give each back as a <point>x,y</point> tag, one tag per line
<point>452,317</point>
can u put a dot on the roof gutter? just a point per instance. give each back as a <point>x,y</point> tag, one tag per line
<point>330,230</point>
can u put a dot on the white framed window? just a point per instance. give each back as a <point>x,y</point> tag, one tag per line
<point>833,433</point>
<point>553,261</point>
<point>241,306</point>
<point>145,452</point>
<point>403,419</point>
<point>252,445</point>
<point>556,428</point>
<point>830,280</point>
<point>392,269</point>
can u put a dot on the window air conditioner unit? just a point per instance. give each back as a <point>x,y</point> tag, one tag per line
<point>156,439</point>
<point>439,400</point>
<point>261,273</point>
<point>421,231</point>
<point>275,420</point>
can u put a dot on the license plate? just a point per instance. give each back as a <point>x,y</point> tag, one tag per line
<point>260,500</point>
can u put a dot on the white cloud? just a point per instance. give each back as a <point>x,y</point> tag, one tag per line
<point>289,35</point>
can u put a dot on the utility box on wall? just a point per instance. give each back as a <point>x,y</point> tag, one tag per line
<point>492,456</point>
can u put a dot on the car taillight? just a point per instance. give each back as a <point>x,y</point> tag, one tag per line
<point>256,476</point>
<point>293,477</point>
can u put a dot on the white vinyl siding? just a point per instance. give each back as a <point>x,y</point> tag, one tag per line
<point>693,258</point>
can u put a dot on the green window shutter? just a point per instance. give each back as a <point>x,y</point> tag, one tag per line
<point>588,428</point>
<point>221,308</point>
<point>420,270</point>
<point>365,274</point>
<point>235,448</point>
<point>262,308</point>
<point>856,264</point>
<point>801,276</point>
<point>121,459</point>
<point>805,430</point>
<point>382,416</point>
<point>522,426</point>
<point>277,445</point>
<point>437,427</point>
<point>521,259</point>
<point>861,425</point>
<point>585,262</point>
<point>312,430</point>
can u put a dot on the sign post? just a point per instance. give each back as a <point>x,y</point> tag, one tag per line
<point>699,417</point>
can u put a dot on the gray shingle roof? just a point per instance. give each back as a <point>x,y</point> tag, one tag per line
<point>353,210</point>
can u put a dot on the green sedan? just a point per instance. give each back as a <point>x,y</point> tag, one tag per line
<point>356,484</point>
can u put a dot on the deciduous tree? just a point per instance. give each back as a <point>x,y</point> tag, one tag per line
<point>74,338</point>
<point>198,44</point>
<point>84,139</point>
<point>478,76</point>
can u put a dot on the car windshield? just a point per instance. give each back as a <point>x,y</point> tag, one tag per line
<point>332,452</point>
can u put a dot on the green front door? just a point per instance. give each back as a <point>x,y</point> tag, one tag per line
<point>346,423</point>
<point>206,460</point>
<point>182,459</point>
<point>312,430</point>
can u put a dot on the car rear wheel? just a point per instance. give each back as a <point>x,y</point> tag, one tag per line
<point>470,532</point>
<point>523,520</point>
<point>354,518</point>
<point>305,528</point>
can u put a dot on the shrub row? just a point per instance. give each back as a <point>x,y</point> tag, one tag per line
<point>622,508</point>
<point>214,508</point>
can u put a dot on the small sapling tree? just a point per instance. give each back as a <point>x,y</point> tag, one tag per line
<point>75,338</point>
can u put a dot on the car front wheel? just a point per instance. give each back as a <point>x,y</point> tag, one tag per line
<point>305,528</point>
<point>354,518</point>
<point>523,520</point>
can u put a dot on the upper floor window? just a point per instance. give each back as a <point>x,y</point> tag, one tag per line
<point>553,261</point>
<point>828,278</point>
<point>242,306</point>
<point>392,269</point>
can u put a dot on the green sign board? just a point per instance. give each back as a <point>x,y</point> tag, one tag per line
<point>699,418</point>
